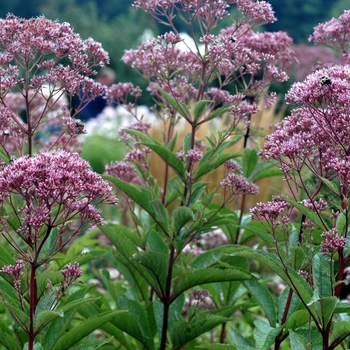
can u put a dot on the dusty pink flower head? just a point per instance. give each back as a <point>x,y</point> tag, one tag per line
<point>317,134</point>
<point>335,33</point>
<point>45,60</point>
<point>238,185</point>
<point>52,189</point>
<point>332,242</point>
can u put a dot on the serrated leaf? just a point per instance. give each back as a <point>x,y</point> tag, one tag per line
<point>3,155</point>
<point>297,318</point>
<point>331,185</point>
<point>340,224</point>
<point>264,298</point>
<point>293,279</point>
<point>84,258</point>
<point>19,315</point>
<point>196,191</point>
<point>207,258</point>
<point>198,277</point>
<point>37,346</point>
<point>207,166</point>
<point>340,331</point>
<point>249,161</point>
<point>45,317</point>
<point>154,265</point>
<point>321,275</point>
<point>181,216</point>
<point>168,156</point>
<point>92,345</point>
<point>297,342</point>
<point>179,106</point>
<point>183,332</point>
<point>7,338</point>
<point>216,347</point>
<point>217,112</point>
<point>199,108</point>
<point>156,242</point>
<point>262,174</point>
<point>85,328</point>
<point>308,213</point>
<point>283,299</point>
<point>258,230</point>
<point>144,198</point>
<point>264,335</point>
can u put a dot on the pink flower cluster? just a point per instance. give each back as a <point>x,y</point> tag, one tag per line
<point>317,134</point>
<point>274,212</point>
<point>53,188</point>
<point>335,33</point>
<point>238,185</point>
<point>332,242</point>
<point>70,273</point>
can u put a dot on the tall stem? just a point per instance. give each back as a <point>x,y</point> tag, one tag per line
<point>167,299</point>
<point>33,300</point>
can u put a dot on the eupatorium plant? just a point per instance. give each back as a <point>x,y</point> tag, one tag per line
<point>46,197</point>
<point>309,246</point>
<point>222,78</point>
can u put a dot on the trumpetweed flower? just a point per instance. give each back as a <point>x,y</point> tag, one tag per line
<point>53,188</point>
<point>15,271</point>
<point>43,46</point>
<point>70,273</point>
<point>335,34</point>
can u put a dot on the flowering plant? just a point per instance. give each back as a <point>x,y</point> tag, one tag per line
<point>47,196</point>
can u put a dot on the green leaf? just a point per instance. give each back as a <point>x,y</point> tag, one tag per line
<point>293,279</point>
<point>297,342</point>
<point>198,277</point>
<point>297,319</point>
<point>168,156</point>
<point>183,332</point>
<point>93,345</point>
<point>84,258</point>
<point>249,162</point>
<point>216,347</point>
<point>257,229</point>
<point>155,266</point>
<point>45,317</point>
<point>321,275</point>
<point>241,342</point>
<point>340,331</point>
<point>206,166</point>
<point>340,224</point>
<point>196,191</point>
<point>3,155</point>
<point>36,346</point>
<point>217,112</point>
<point>85,328</point>
<point>144,198</point>
<point>199,108</point>
<point>181,216</point>
<point>294,304</point>
<point>7,338</point>
<point>156,242</point>
<point>264,335</point>
<point>60,325</point>
<point>207,258</point>
<point>308,213</point>
<point>19,315</point>
<point>264,298</point>
<point>331,185</point>
<point>180,107</point>
<point>267,173</point>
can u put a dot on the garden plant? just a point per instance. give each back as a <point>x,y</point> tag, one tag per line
<point>168,249</point>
